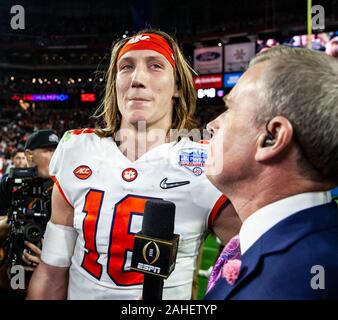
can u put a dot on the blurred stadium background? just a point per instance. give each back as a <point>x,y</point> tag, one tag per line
<point>52,71</point>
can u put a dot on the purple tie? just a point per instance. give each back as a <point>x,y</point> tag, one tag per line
<point>229,252</point>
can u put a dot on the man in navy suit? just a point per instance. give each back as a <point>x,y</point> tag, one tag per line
<point>274,153</point>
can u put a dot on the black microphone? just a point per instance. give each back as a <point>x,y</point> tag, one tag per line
<point>155,247</point>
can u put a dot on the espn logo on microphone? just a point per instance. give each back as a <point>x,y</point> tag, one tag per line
<point>154,256</point>
<point>147,267</point>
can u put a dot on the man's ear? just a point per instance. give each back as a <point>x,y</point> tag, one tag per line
<point>275,139</point>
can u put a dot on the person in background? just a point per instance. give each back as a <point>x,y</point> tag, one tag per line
<point>18,160</point>
<point>332,47</point>
<point>39,149</point>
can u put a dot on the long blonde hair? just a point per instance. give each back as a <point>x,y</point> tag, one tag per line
<point>184,105</point>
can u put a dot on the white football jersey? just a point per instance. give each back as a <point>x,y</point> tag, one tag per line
<point>108,193</point>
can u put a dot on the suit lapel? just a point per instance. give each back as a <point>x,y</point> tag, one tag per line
<point>249,260</point>
<point>296,226</point>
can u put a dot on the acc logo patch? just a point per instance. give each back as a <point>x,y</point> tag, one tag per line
<point>129,174</point>
<point>193,160</point>
<point>83,172</point>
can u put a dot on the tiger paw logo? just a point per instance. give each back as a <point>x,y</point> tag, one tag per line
<point>129,174</point>
<point>83,172</point>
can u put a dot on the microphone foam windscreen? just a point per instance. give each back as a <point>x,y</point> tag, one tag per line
<point>159,219</point>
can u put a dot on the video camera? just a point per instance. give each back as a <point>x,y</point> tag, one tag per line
<point>29,212</point>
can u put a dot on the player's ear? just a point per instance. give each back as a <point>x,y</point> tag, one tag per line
<point>176,90</point>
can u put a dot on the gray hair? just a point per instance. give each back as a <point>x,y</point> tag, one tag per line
<point>302,85</point>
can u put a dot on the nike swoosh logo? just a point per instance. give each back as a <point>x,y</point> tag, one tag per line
<point>168,185</point>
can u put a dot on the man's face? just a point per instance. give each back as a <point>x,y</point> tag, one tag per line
<point>19,160</point>
<point>41,158</point>
<point>235,133</point>
<point>145,87</point>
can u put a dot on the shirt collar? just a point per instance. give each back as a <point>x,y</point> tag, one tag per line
<point>265,218</point>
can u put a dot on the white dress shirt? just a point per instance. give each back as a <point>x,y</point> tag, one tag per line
<point>265,218</point>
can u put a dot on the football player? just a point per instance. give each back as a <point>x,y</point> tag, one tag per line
<point>104,178</point>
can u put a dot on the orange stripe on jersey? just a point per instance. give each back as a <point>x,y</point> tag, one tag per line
<point>92,209</point>
<point>82,131</point>
<point>122,239</point>
<point>216,209</point>
<point>60,189</point>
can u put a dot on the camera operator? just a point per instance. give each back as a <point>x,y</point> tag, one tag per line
<point>39,149</point>
<point>18,160</point>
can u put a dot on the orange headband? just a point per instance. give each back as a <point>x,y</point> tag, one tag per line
<point>149,41</point>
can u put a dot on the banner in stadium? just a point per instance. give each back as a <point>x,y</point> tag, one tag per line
<point>230,79</point>
<point>208,60</point>
<point>40,97</point>
<point>237,56</point>
<point>209,81</point>
<point>88,97</point>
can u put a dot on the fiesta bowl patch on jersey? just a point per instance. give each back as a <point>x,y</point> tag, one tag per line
<point>193,160</point>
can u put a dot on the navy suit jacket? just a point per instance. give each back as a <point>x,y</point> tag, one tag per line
<point>279,264</point>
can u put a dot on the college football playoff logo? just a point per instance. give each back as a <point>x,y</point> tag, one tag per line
<point>151,252</point>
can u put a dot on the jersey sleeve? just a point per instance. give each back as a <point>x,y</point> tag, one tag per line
<point>58,168</point>
<point>221,202</point>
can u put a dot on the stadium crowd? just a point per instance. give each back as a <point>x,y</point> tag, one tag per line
<point>18,124</point>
